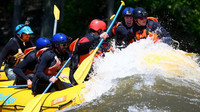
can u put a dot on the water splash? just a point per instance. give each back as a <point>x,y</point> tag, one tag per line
<point>143,77</point>
<point>143,57</point>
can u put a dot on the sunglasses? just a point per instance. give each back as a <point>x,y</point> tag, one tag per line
<point>143,18</point>
<point>63,45</point>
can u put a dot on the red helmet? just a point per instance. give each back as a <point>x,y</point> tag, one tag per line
<point>97,24</point>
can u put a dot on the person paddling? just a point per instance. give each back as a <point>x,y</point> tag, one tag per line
<point>12,53</point>
<point>25,70</point>
<point>123,31</point>
<point>84,46</point>
<point>50,61</point>
<point>148,26</point>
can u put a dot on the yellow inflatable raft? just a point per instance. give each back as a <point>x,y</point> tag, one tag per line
<point>16,99</point>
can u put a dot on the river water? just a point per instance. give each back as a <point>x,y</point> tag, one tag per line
<point>144,77</point>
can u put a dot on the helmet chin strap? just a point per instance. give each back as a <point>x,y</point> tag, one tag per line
<point>137,23</point>
<point>58,49</point>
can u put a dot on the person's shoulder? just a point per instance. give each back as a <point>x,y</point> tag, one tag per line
<point>153,24</point>
<point>150,21</point>
<point>12,40</point>
<point>10,43</point>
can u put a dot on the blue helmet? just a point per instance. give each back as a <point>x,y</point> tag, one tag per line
<point>21,28</point>
<point>128,11</point>
<point>42,42</point>
<point>59,38</point>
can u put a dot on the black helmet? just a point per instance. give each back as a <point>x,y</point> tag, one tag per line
<point>139,12</point>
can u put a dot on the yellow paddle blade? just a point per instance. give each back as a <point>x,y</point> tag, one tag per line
<point>3,76</point>
<point>84,68</point>
<point>190,54</point>
<point>112,17</point>
<point>122,3</point>
<point>56,12</point>
<point>35,104</point>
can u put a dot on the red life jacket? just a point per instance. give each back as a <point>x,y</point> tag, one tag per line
<point>26,52</point>
<point>114,28</point>
<point>51,71</point>
<point>82,57</point>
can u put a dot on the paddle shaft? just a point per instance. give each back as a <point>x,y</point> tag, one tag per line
<point>118,11</point>
<point>85,66</point>
<point>13,86</point>
<point>33,107</point>
<point>57,74</point>
<point>57,16</point>
<point>55,27</point>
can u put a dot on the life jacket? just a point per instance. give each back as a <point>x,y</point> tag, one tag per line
<point>72,48</point>
<point>38,54</point>
<point>13,60</point>
<point>153,18</point>
<point>51,71</point>
<point>145,33</point>
<point>108,47</point>
<point>26,52</point>
<point>114,28</point>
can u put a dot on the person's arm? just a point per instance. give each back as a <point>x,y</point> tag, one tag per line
<point>121,35</point>
<point>23,66</point>
<point>164,36</point>
<point>5,51</point>
<point>85,42</point>
<point>43,63</point>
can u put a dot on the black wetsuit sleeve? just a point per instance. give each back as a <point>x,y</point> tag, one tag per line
<point>110,33</point>
<point>10,48</point>
<point>44,62</point>
<point>121,35</point>
<point>86,42</point>
<point>23,66</point>
<point>162,33</point>
<point>121,31</point>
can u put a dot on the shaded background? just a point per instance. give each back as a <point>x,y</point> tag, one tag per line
<point>179,17</point>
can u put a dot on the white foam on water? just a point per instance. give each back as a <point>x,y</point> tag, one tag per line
<point>143,57</point>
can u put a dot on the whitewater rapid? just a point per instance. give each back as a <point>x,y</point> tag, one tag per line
<point>141,68</point>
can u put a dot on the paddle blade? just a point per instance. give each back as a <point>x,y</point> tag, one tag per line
<point>35,104</point>
<point>84,68</point>
<point>190,54</point>
<point>56,12</point>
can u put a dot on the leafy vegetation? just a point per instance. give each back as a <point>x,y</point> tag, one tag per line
<point>179,17</point>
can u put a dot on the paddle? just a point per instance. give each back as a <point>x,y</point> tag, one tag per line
<point>56,12</point>
<point>190,54</point>
<point>35,105</point>
<point>13,86</point>
<point>82,71</point>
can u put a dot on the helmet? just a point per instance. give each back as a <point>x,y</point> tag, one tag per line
<point>128,11</point>
<point>59,38</point>
<point>21,28</point>
<point>139,12</point>
<point>42,42</point>
<point>97,24</point>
